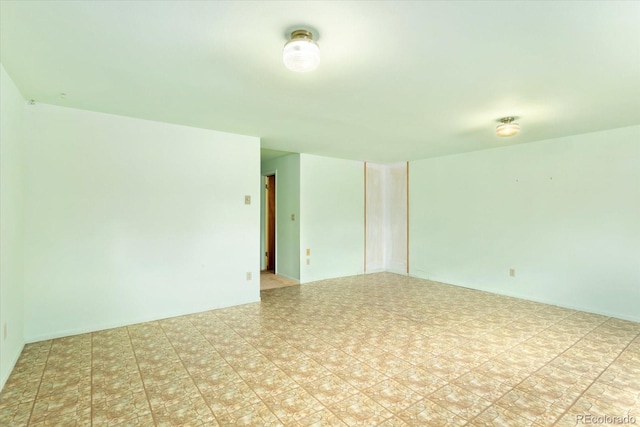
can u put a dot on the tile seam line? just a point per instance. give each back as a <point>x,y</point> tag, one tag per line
<point>362,362</point>
<point>146,391</point>
<point>35,398</point>
<point>325,407</point>
<point>599,375</point>
<point>300,385</point>
<point>230,365</point>
<point>547,364</point>
<point>187,370</point>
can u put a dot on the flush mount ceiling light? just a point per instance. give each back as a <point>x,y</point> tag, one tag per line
<point>507,127</point>
<point>301,53</point>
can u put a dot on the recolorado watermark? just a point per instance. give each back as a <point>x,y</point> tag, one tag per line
<point>605,419</point>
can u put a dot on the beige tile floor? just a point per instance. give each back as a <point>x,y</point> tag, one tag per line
<point>269,280</point>
<point>368,350</point>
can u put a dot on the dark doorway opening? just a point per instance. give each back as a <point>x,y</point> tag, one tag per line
<point>270,223</point>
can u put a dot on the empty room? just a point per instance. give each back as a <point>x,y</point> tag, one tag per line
<point>319,213</point>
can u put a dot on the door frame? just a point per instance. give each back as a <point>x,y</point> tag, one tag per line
<point>263,228</point>
<point>270,222</point>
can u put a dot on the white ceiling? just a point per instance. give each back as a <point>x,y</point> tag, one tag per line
<point>397,80</point>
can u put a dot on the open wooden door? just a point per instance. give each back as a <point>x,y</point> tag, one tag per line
<point>270,244</point>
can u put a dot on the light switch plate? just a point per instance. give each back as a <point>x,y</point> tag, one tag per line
<point>247,200</point>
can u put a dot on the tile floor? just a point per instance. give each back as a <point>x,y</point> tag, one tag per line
<point>269,280</point>
<point>370,350</point>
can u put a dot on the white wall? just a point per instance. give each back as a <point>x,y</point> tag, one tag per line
<point>331,217</point>
<point>11,225</point>
<point>564,213</point>
<point>261,191</point>
<point>287,170</point>
<point>132,220</point>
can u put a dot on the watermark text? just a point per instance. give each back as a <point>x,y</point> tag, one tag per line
<point>605,419</point>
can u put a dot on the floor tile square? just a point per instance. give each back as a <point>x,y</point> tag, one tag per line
<point>360,410</point>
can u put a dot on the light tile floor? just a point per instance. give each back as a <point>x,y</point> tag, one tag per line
<point>269,280</point>
<point>381,349</point>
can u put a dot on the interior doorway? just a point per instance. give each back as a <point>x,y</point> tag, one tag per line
<point>270,223</point>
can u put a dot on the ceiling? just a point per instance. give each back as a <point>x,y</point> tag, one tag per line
<point>397,80</point>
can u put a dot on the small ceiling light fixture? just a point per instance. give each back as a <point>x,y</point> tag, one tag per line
<point>507,127</point>
<point>301,53</point>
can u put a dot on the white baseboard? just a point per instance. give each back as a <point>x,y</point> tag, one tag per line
<point>14,360</point>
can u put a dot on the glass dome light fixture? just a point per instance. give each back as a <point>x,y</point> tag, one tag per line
<point>507,127</point>
<point>301,53</point>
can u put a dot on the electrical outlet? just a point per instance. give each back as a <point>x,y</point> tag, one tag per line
<point>293,217</point>
<point>512,272</point>
<point>248,275</point>
<point>308,261</point>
